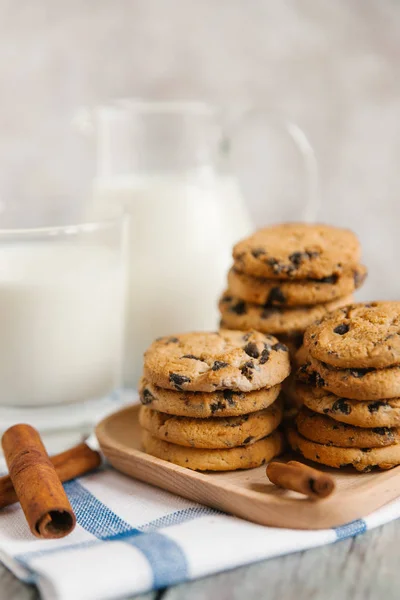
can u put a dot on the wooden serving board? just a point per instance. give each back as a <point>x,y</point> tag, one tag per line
<point>247,493</point>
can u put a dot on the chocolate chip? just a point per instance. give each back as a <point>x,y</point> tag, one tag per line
<point>276,296</point>
<point>279,346</point>
<point>217,406</point>
<point>276,266</point>
<point>146,397</point>
<point>248,365</point>
<point>381,430</point>
<point>178,380</point>
<point>239,308</point>
<point>252,350</point>
<point>317,456</point>
<point>246,369</point>
<point>272,262</point>
<point>256,252</point>
<point>341,406</point>
<point>341,329</point>
<point>228,395</point>
<point>297,258</point>
<point>366,450</point>
<point>191,356</point>
<point>219,364</point>
<point>265,355</point>
<point>326,410</point>
<point>304,375</point>
<point>375,406</point>
<point>248,439</point>
<point>319,381</point>
<point>172,340</point>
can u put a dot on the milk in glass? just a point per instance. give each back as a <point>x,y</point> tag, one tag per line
<point>60,307</point>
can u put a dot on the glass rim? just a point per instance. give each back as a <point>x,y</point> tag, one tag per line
<point>72,228</point>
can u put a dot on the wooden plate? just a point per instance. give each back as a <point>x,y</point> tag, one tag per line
<point>248,493</point>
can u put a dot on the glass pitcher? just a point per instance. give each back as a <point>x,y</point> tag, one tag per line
<point>167,165</point>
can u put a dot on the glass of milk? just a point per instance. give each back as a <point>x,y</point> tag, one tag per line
<point>62,294</point>
<point>167,165</point>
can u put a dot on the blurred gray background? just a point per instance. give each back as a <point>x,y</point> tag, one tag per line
<point>330,65</point>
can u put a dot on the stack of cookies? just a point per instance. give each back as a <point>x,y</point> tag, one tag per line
<point>211,400</point>
<point>350,387</point>
<point>287,276</point>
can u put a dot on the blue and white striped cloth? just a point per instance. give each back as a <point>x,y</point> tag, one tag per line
<point>131,538</point>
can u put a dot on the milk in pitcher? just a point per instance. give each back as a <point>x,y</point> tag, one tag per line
<point>182,230</point>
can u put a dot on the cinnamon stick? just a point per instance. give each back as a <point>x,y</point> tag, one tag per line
<point>36,483</point>
<point>69,464</point>
<point>300,478</point>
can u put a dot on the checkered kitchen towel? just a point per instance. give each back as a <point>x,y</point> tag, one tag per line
<point>131,537</point>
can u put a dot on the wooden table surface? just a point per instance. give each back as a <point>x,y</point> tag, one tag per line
<point>366,567</point>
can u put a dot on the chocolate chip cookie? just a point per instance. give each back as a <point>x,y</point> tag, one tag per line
<point>356,384</point>
<point>362,459</point>
<point>200,405</point>
<point>304,292</point>
<point>239,314</point>
<point>227,459</point>
<point>377,413</point>
<point>297,251</point>
<point>206,362</point>
<point>324,430</point>
<point>212,432</point>
<point>359,336</point>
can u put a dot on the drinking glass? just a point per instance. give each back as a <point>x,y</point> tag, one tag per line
<point>62,294</point>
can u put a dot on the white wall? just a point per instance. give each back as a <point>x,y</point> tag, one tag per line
<point>331,65</point>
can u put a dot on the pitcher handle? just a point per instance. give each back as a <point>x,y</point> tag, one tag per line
<point>304,148</point>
